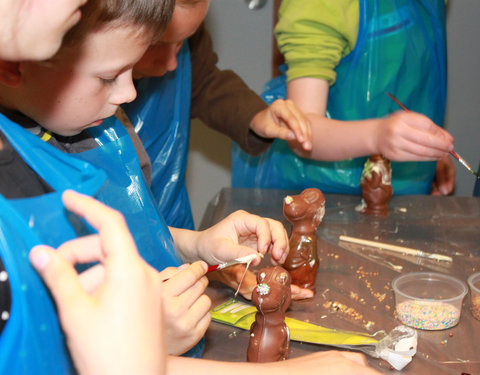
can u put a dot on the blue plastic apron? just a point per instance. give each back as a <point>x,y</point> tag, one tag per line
<point>32,341</point>
<point>400,49</point>
<point>161,117</point>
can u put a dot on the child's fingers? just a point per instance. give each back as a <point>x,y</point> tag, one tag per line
<point>82,250</point>
<point>191,295</point>
<point>204,322</point>
<point>429,140</point>
<point>421,148</point>
<point>169,272</point>
<point>59,275</point>
<point>304,123</point>
<point>293,119</point>
<point>299,293</point>
<point>281,132</point>
<point>92,278</point>
<point>436,135</point>
<point>403,142</point>
<point>415,152</point>
<point>247,224</point>
<point>199,312</point>
<point>185,279</point>
<point>279,240</point>
<point>287,112</point>
<point>444,181</point>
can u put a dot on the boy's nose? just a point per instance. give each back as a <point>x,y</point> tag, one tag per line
<point>125,91</point>
<point>171,62</point>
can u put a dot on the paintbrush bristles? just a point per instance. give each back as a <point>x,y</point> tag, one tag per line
<point>464,163</point>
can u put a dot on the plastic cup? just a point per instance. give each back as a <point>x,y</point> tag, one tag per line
<point>428,300</point>
<point>474,284</point>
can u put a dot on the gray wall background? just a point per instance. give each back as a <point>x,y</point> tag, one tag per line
<point>242,40</point>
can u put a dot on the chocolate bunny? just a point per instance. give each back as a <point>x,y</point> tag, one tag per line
<point>269,335</point>
<point>376,184</point>
<point>305,212</point>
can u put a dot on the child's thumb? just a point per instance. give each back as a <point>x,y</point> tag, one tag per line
<point>59,275</point>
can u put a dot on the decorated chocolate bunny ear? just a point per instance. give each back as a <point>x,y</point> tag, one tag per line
<point>283,277</point>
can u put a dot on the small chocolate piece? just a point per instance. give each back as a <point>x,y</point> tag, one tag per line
<point>269,335</point>
<point>376,184</point>
<point>305,212</point>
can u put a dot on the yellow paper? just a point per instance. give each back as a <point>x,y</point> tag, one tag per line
<point>242,315</point>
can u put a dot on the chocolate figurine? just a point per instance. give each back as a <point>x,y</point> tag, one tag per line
<point>376,184</point>
<point>269,335</point>
<point>305,212</point>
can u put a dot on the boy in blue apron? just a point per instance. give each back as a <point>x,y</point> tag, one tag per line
<point>178,79</point>
<point>354,52</point>
<point>76,90</point>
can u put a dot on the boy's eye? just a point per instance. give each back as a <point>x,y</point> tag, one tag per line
<point>108,81</point>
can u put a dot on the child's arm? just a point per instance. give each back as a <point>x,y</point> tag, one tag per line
<point>222,100</point>
<point>402,136</point>
<point>330,362</point>
<point>238,235</point>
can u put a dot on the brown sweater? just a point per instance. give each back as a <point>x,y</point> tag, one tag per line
<point>220,98</point>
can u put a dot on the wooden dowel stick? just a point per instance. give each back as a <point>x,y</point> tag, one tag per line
<point>399,249</point>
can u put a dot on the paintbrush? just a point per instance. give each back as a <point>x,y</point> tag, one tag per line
<point>246,259</point>
<point>242,260</point>
<point>453,153</point>
<point>395,248</point>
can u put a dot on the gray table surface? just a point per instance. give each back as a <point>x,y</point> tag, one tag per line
<point>359,277</point>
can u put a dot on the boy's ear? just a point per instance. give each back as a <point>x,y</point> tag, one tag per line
<point>10,73</point>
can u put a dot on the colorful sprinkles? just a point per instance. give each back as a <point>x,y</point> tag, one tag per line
<point>428,315</point>
<point>263,289</point>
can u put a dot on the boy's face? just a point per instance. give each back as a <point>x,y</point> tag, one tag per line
<point>83,84</point>
<point>162,57</point>
<point>33,29</point>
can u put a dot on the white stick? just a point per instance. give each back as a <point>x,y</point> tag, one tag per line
<point>399,249</point>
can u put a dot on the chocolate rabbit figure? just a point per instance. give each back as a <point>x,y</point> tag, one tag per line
<point>305,212</point>
<point>376,184</point>
<point>269,335</point>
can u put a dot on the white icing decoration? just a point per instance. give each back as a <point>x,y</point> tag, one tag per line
<point>288,200</point>
<point>379,168</point>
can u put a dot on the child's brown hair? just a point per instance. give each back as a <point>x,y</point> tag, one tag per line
<point>152,14</point>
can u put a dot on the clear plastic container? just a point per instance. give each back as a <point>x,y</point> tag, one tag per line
<point>428,300</point>
<point>474,284</point>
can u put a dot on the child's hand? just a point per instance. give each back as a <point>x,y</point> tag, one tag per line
<point>241,234</point>
<point>186,307</point>
<point>283,120</point>
<point>232,276</point>
<point>122,303</point>
<point>410,136</point>
<point>444,180</point>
